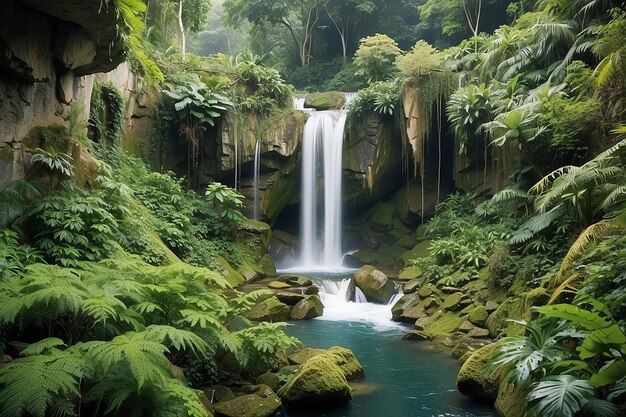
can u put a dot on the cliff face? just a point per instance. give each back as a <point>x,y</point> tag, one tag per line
<point>48,49</point>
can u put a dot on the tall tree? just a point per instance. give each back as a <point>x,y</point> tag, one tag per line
<point>346,15</point>
<point>298,17</point>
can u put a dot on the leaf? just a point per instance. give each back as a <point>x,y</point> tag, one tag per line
<point>42,346</point>
<point>559,395</point>
<point>609,374</point>
<point>601,340</point>
<point>577,315</point>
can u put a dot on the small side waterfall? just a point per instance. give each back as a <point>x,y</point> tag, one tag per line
<point>298,103</point>
<point>349,98</point>
<point>255,183</point>
<point>323,134</point>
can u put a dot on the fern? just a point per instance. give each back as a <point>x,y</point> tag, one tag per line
<point>176,338</point>
<point>43,346</point>
<point>33,384</point>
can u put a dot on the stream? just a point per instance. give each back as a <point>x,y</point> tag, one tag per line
<point>403,379</point>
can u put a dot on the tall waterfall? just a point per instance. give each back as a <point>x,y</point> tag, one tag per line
<point>255,183</point>
<point>323,139</point>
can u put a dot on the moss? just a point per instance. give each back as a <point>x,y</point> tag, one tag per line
<point>277,285</point>
<point>511,401</point>
<point>282,193</point>
<point>382,220</point>
<point>267,265</point>
<point>319,382</point>
<point>269,310</point>
<point>442,323</point>
<point>228,272</point>
<point>325,101</point>
<point>307,309</point>
<point>452,302</point>
<point>474,380</point>
<point>478,316</point>
<point>302,355</point>
<point>419,251</point>
<point>406,242</point>
<point>511,309</point>
<point>262,403</point>
<point>349,364</point>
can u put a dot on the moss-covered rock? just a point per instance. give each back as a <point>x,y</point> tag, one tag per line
<point>344,358</point>
<point>325,101</point>
<point>474,380</point>
<point>405,302</point>
<point>421,250</point>
<point>320,382</point>
<point>478,316</point>
<point>453,301</point>
<point>262,402</point>
<point>290,298</point>
<point>278,285</point>
<point>302,355</point>
<point>295,280</point>
<point>511,309</point>
<point>374,284</point>
<point>228,272</point>
<point>443,323</point>
<point>269,310</point>
<point>511,400</point>
<point>267,265</point>
<point>307,309</point>
<point>412,286</point>
<point>410,273</point>
<point>382,220</point>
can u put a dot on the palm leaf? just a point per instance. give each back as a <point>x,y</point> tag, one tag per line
<point>559,395</point>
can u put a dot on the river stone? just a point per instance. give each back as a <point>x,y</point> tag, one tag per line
<point>478,316</point>
<point>478,333</point>
<point>413,313</point>
<point>411,273</point>
<point>277,285</point>
<point>406,301</point>
<point>307,309</point>
<point>491,306</point>
<point>261,403</point>
<point>349,364</point>
<point>419,323</point>
<point>416,335</point>
<point>269,310</point>
<point>320,382</point>
<point>466,326</point>
<point>374,284</point>
<point>473,381</point>
<point>270,379</point>
<point>412,286</point>
<point>452,302</point>
<point>428,290</point>
<point>223,393</point>
<point>430,303</point>
<point>295,280</point>
<point>290,298</point>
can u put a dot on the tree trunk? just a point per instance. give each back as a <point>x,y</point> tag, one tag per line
<point>181,27</point>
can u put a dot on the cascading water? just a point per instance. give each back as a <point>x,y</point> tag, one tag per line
<point>298,103</point>
<point>257,169</point>
<point>343,301</point>
<point>349,98</point>
<point>323,134</point>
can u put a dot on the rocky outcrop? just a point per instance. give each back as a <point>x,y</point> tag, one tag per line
<point>320,382</point>
<point>254,401</point>
<point>48,49</point>
<point>475,378</point>
<point>331,100</point>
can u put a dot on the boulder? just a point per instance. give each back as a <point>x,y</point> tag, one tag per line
<point>261,402</point>
<point>307,309</point>
<point>295,280</point>
<point>382,220</point>
<point>349,364</point>
<point>405,302</point>
<point>411,273</point>
<point>303,355</point>
<point>412,286</point>
<point>474,380</point>
<point>290,298</point>
<point>374,284</point>
<point>319,382</point>
<point>491,306</point>
<point>269,310</point>
<point>478,316</point>
<point>325,101</point>
<point>428,290</point>
<point>443,323</point>
<point>277,285</point>
<point>511,401</point>
<point>453,302</point>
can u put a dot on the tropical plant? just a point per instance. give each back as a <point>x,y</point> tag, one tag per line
<point>375,57</point>
<point>420,60</point>
<point>227,203</point>
<point>53,160</point>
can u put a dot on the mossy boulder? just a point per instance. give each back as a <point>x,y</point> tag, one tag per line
<point>325,101</point>
<point>453,301</point>
<point>278,285</point>
<point>228,272</point>
<point>498,322</point>
<point>421,250</point>
<point>269,310</point>
<point>511,401</point>
<point>302,355</point>
<point>374,284</point>
<point>307,309</point>
<point>478,316</point>
<point>443,323</point>
<point>290,298</point>
<point>344,358</point>
<point>320,382</point>
<point>382,220</point>
<point>405,302</point>
<point>261,402</point>
<point>474,380</point>
<point>295,280</point>
<point>412,286</point>
<point>411,273</point>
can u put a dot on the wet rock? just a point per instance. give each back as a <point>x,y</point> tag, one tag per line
<point>416,335</point>
<point>269,310</point>
<point>262,402</point>
<point>405,302</point>
<point>290,298</point>
<point>420,323</point>
<point>473,381</point>
<point>452,302</point>
<point>307,309</point>
<point>478,333</point>
<point>478,316</point>
<point>412,286</point>
<point>320,382</point>
<point>295,280</point>
<point>374,284</point>
<point>277,285</point>
<point>491,306</point>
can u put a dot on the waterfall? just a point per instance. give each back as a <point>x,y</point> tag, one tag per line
<point>343,301</point>
<point>298,103</point>
<point>349,98</point>
<point>323,134</point>
<point>257,169</point>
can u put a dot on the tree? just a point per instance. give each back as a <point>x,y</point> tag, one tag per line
<point>346,15</point>
<point>298,17</point>
<point>455,16</point>
<point>421,60</point>
<point>376,56</point>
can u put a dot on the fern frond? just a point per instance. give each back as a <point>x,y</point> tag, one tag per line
<point>176,338</point>
<point>566,286</point>
<point>43,346</point>
<point>32,384</point>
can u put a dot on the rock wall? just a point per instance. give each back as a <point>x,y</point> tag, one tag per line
<point>48,48</point>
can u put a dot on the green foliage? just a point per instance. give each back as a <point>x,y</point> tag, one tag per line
<point>559,395</point>
<point>382,97</point>
<point>420,60</point>
<point>53,160</point>
<point>106,115</point>
<point>375,57</point>
<point>227,203</point>
<point>262,345</point>
<point>15,197</point>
